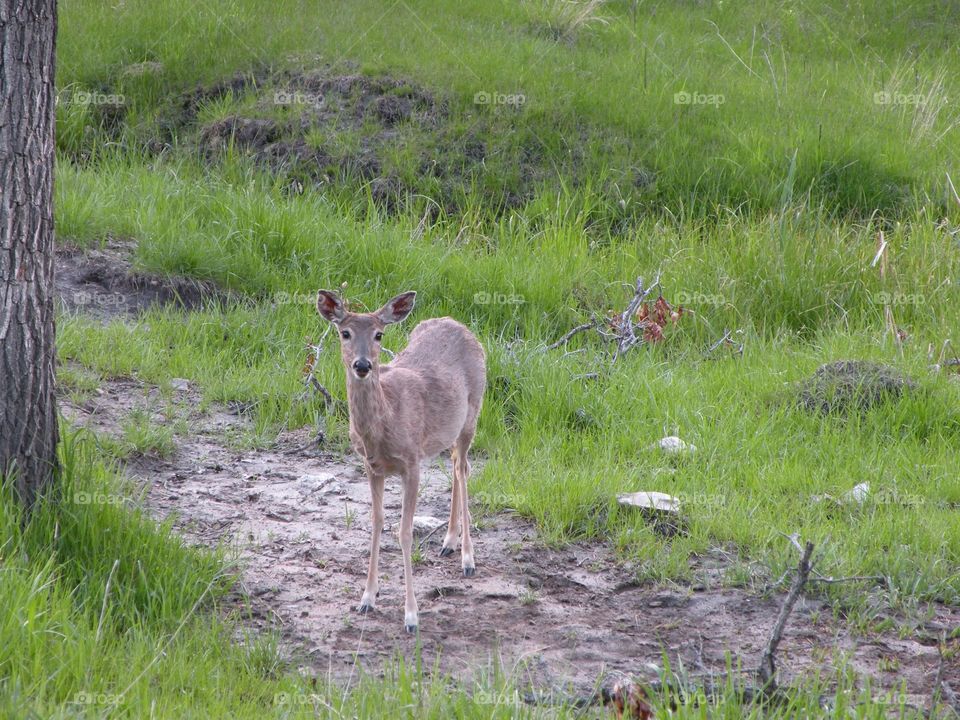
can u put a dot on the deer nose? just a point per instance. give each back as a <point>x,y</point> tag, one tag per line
<point>362,366</point>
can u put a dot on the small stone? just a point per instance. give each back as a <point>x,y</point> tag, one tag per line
<point>423,524</point>
<point>672,445</point>
<point>858,494</point>
<point>658,501</point>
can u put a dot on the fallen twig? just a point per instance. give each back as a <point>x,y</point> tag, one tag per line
<point>430,534</point>
<point>626,329</point>
<point>566,338</point>
<point>727,340</point>
<point>639,322</point>
<point>879,579</point>
<point>767,669</point>
<point>310,371</point>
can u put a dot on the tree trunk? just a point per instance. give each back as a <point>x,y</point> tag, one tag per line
<point>28,414</point>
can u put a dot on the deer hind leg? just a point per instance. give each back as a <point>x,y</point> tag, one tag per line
<point>453,525</point>
<point>461,473</point>
<point>411,483</point>
<point>372,587</point>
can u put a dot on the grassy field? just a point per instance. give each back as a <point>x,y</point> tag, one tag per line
<point>750,154</point>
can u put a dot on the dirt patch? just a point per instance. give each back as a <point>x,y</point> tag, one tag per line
<point>553,618</point>
<point>852,385</point>
<point>102,283</point>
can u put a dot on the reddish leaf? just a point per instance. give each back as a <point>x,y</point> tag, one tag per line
<point>630,701</point>
<point>652,332</point>
<point>310,362</point>
<point>661,311</point>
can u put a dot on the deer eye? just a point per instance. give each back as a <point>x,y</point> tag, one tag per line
<point>378,337</point>
<point>345,334</point>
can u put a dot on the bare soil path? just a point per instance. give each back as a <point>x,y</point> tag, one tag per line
<point>299,520</point>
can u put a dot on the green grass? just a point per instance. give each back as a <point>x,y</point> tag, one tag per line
<point>760,206</point>
<point>807,101</point>
<point>801,290</point>
<point>112,616</point>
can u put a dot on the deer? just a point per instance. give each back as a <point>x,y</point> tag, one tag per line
<point>402,413</point>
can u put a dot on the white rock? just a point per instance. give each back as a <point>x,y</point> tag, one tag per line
<point>651,500</point>
<point>320,482</point>
<point>180,384</point>
<point>858,494</point>
<point>672,445</point>
<point>426,524</point>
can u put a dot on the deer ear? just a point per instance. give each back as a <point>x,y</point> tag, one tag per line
<point>330,306</point>
<point>397,309</point>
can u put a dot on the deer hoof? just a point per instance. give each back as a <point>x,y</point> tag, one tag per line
<point>365,608</point>
<point>446,551</point>
<point>412,629</point>
<point>469,571</point>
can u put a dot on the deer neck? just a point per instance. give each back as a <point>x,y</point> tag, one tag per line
<point>369,411</point>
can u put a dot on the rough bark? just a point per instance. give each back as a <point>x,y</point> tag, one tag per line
<point>28,416</point>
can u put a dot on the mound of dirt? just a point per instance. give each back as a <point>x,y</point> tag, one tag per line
<point>388,135</point>
<point>846,385</point>
<point>242,132</point>
<point>360,119</point>
<point>102,283</point>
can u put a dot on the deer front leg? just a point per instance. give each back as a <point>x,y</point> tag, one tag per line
<point>372,588</point>
<point>411,483</point>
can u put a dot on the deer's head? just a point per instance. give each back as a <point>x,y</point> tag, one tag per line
<point>361,333</point>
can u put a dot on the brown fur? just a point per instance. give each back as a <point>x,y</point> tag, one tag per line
<point>409,410</point>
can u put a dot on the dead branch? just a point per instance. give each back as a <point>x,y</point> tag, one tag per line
<point>310,374</point>
<point>767,669</point>
<point>728,341</point>
<point>879,579</point>
<point>433,532</point>
<point>327,397</point>
<point>566,338</point>
<point>638,323</point>
<point>626,328</point>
